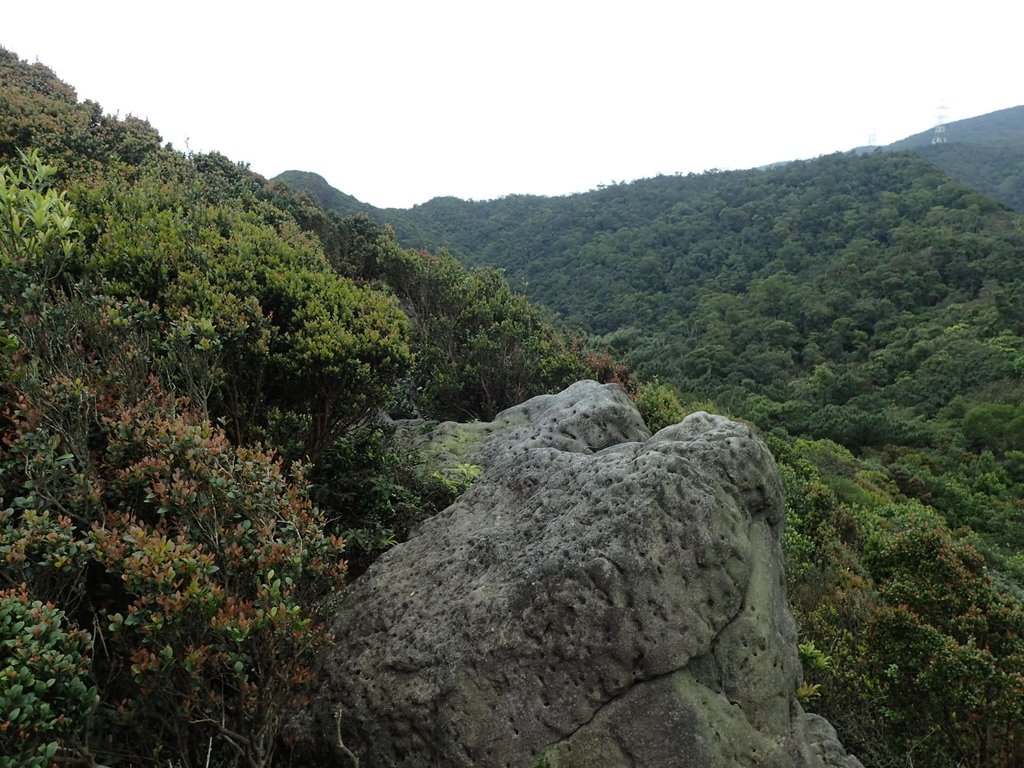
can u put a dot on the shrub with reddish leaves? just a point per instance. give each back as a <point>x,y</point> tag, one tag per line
<point>194,563</point>
<point>218,557</point>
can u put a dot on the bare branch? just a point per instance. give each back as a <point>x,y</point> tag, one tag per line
<point>341,744</point>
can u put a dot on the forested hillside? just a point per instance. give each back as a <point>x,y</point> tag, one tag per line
<point>870,300</point>
<point>865,312</point>
<point>196,368</point>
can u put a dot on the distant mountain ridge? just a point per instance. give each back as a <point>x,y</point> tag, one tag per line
<point>1005,128</point>
<point>984,152</point>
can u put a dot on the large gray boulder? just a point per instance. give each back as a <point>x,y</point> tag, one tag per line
<point>599,598</point>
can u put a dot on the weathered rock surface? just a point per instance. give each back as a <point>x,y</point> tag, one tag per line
<point>600,597</point>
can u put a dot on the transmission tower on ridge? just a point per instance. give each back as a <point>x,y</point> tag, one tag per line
<point>940,128</point>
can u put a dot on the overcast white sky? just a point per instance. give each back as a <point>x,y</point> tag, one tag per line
<point>398,101</point>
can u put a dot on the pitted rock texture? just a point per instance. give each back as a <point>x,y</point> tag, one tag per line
<point>600,597</point>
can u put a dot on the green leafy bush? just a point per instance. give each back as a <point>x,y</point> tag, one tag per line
<point>277,326</point>
<point>45,694</point>
<point>36,224</point>
<point>659,405</point>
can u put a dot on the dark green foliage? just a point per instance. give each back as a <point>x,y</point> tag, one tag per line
<point>943,642</point>
<point>43,113</point>
<point>995,427</point>
<point>283,329</point>
<point>327,197</point>
<point>376,492</point>
<point>897,278</point>
<point>480,346</point>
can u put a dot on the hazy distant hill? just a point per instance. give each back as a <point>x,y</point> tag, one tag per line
<point>984,152</point>
<point>1004,128</point>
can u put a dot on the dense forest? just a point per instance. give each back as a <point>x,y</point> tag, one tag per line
<point>866,299</point>
<point>863,310</point>
<point>197,367</point>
